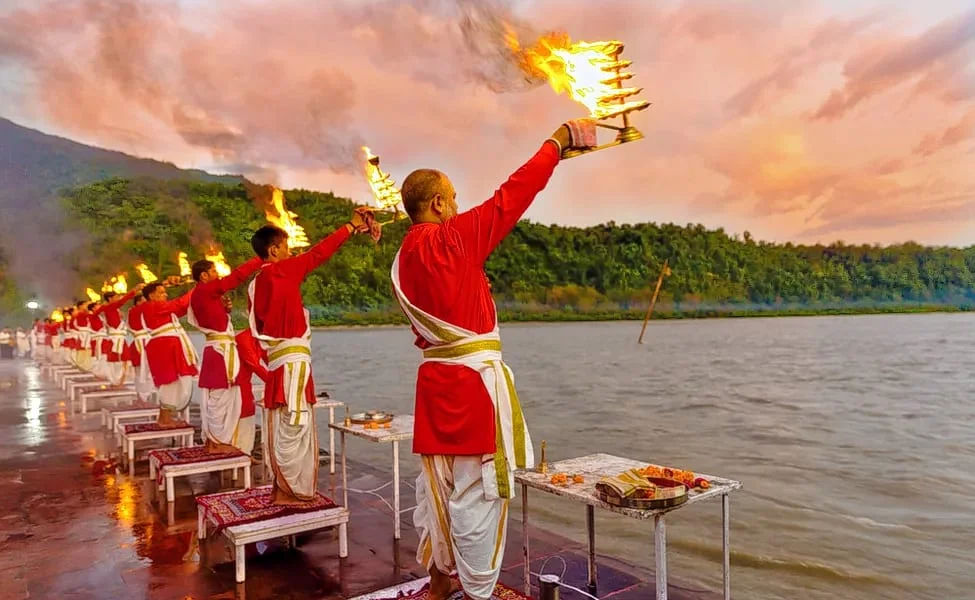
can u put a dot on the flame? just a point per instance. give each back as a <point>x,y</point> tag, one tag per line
<point>106,287</point>
<point>119,284</point>
<point>285,219</point>
<point>223,269</point>
<point>184,265</point>
<point>57,316</point>
<point>384,189</point>
<point>144,272</point>
<point>591,72</point>
<point>93,295</point>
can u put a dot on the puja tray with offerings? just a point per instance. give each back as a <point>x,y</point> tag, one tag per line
<point>378,417</point>
<point>667,493</point>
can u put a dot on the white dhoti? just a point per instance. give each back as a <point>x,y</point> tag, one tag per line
<point>293,453</point>
<point>115,372</point>
<point>462,501</point>
<point>144,386</point>
<point>458,527</point>
<point>246,432</point>
<point>220,414</point>
<point>176,396</point>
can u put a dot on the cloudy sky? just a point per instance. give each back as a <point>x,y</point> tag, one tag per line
<point>802,120</point>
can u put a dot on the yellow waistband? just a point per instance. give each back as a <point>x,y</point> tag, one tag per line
<point>463,349</point>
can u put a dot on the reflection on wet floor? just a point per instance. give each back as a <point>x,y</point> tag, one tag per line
<point>74,525</point>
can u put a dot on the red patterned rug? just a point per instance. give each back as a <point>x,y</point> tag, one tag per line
<point>145,427</point>
<point>248,506</point>
<point>501,592</point>
<point>133,406</point>
<point>168,457</point>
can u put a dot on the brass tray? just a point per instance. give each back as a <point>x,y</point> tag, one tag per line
<point>669,494</point>
<point>373,416</point>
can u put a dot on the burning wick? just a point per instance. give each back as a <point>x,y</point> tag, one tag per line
<point>219,263</point>
<point>144,272</point>
<point>384,190</point>
<point>592,73</point>
<point>279,215</point>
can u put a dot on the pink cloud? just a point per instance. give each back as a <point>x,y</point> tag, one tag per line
<point>289,90</point>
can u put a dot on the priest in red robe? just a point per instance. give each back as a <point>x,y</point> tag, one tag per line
<point>82,336</point>
<point>170,353</point>
<point>113,344</point>
<point>98,335</point>
<point>252,362</point>
<point>136,348</point>
<point>278,319</point>
<point>220,407</point>
<point>470,430</point>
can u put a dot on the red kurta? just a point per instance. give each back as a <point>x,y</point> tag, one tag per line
<point>209,311</point>
<point>96,324</point>
<point>165,354</point>
<point>442,273</point>
<point>251,363</point>
<point>79,322</point>
<point>52,331</point>
<point>278,309</point>
<point>113,319</point>
<point>134,320</point>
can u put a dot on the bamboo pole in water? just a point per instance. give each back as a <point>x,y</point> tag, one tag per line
<point>653,300</point>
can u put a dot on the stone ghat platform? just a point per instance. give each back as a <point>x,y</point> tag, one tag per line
<point>72,525</point>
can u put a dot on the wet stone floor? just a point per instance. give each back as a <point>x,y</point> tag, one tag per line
<point>74,525</point>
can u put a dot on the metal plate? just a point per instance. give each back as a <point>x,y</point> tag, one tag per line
<point>669,493</point>
<point>373,416</point>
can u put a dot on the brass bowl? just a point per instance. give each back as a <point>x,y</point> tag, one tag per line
<point>373,416</point>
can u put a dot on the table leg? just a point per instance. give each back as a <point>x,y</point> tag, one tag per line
<point>247,477</point>
<point>345,483</point>
<point>526,553</point>
<point>396,491</point>
<point>201,524</point>
<point>131,455</point>
<point>660,555</point>
<point>343,540</point>
<point>331,441</point>
<point>170,490</point>
<point>233,477</point>
<point>239,562</point>
<point>84,404</point>
<point>591,530</point>
<point>152,468</point>
<point>725,544</point>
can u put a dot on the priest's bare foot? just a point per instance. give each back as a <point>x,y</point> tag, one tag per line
<point>441,585</point>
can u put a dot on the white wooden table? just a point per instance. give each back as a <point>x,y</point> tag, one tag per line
<point>592,468</point>
<point>50,369</point>
<point>76,376</point>
<point>112,416</point>
<point>171,471</point>
<point>182,435</point>
<point>401,429</point>
<point>241,535</point>
<point>79,385</point>
<point>62,371</point>
<point>116,394</point>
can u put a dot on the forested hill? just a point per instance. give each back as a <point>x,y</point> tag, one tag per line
<point>539,272</point>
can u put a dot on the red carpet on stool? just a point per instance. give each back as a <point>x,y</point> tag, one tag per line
<point>144,427</point>
<point>248,506</point>
<point>168,457</point>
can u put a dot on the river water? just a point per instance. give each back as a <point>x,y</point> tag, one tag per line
<point>853,437</point>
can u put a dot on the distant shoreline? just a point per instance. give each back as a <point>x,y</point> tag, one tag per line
<point>396,321</point>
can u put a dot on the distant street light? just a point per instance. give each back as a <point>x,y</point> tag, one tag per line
<point>33,305</point>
